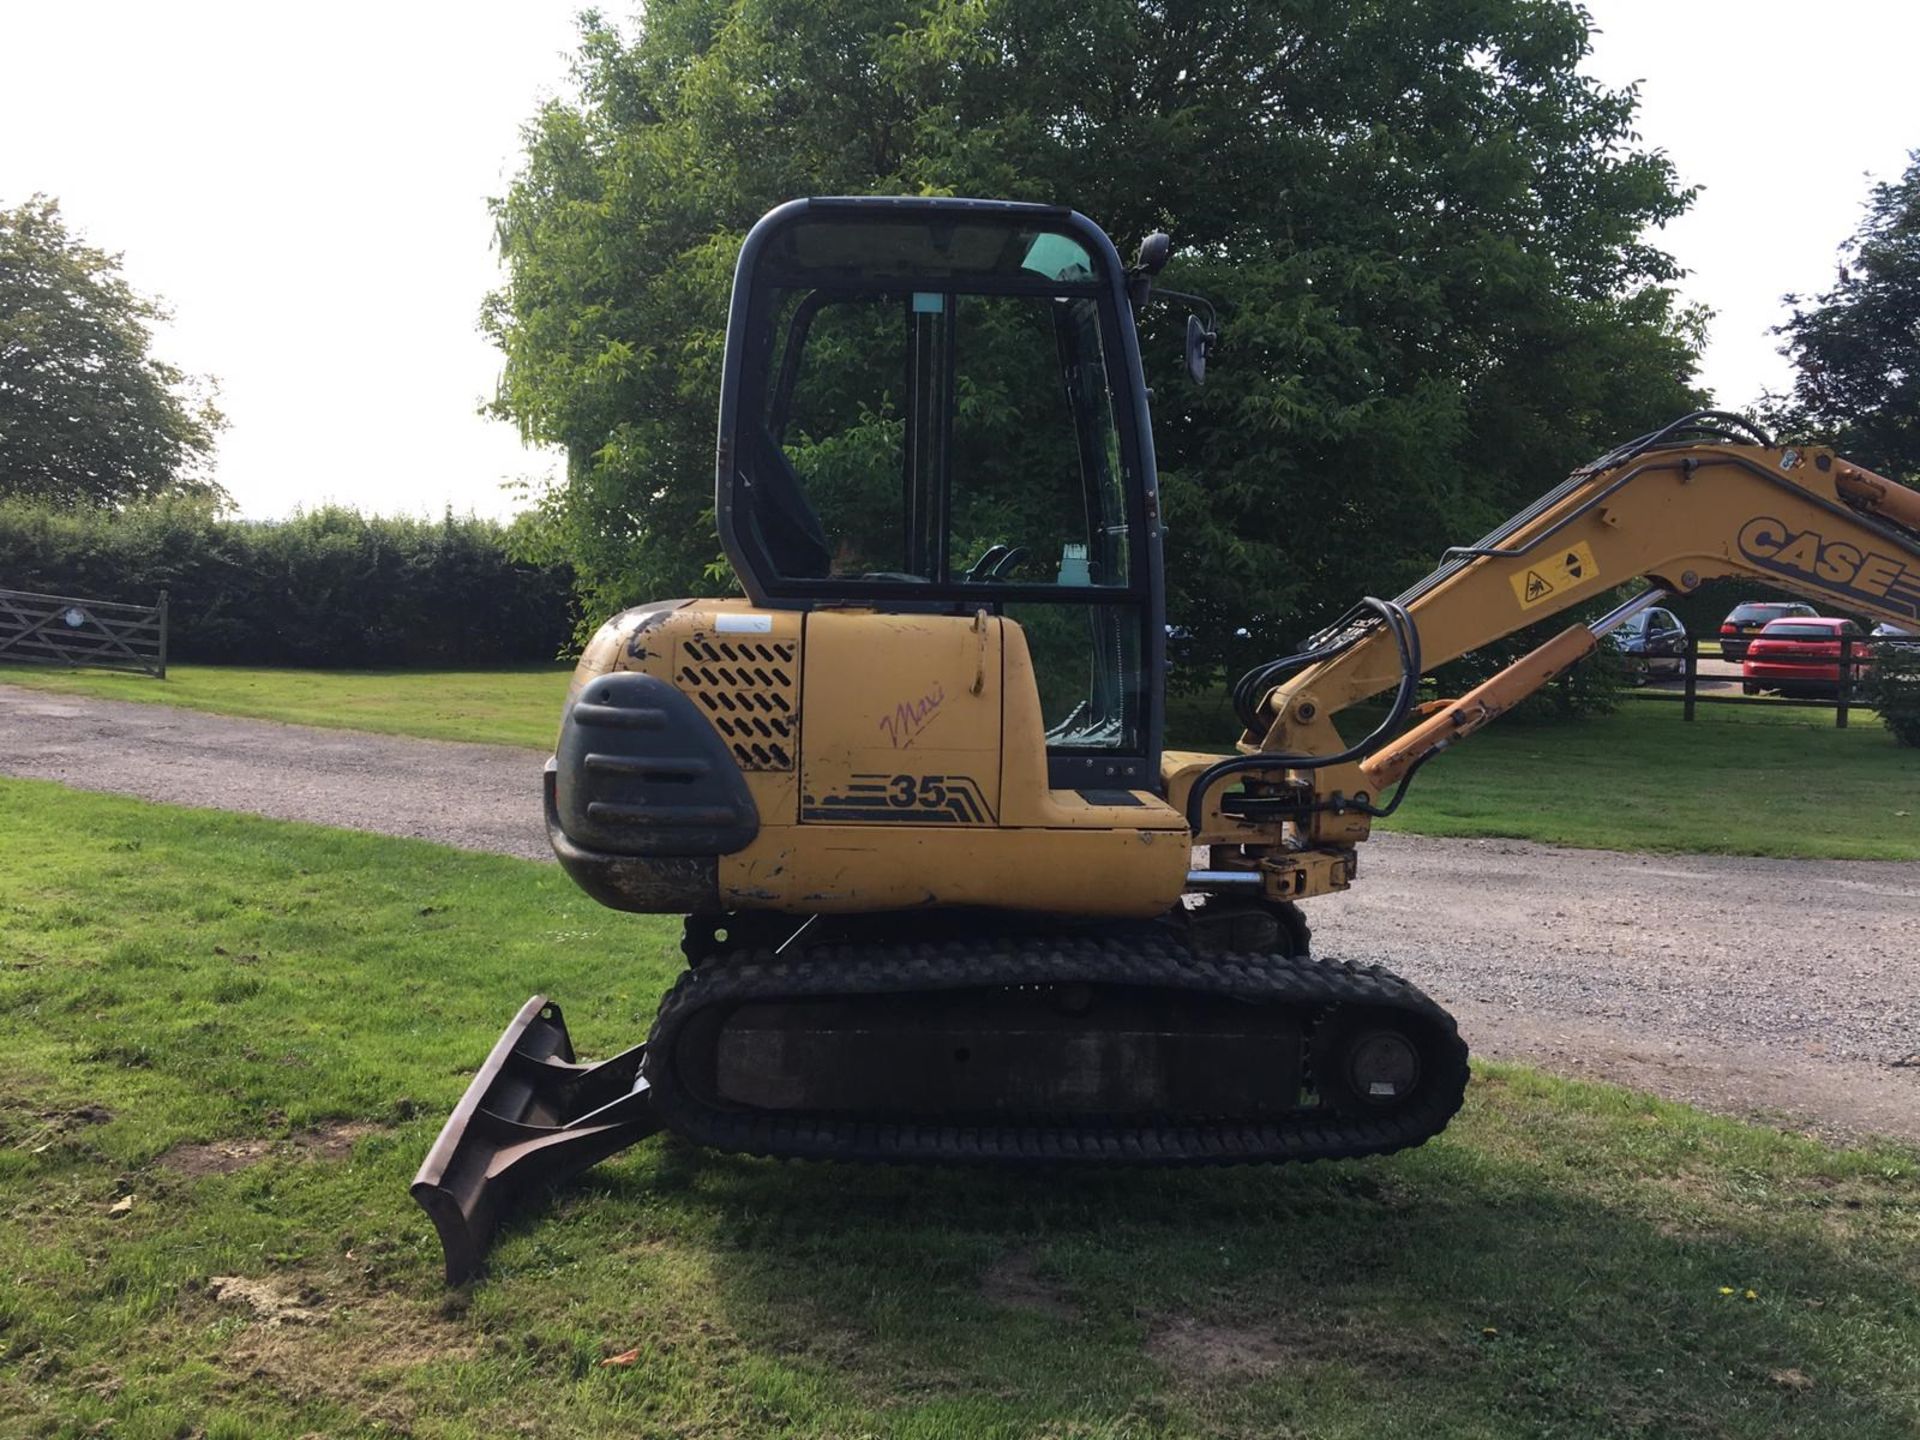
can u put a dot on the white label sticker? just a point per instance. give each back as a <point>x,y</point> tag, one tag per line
<point>743,624</point>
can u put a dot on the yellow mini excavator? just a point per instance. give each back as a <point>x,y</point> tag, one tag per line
<point>947,896</point>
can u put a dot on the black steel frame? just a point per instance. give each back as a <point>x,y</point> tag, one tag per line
<point>1147,586</point>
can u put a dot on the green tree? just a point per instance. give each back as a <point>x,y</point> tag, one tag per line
<point>87,414</point>
<point>1856,348</point>
<point>1425,227</point>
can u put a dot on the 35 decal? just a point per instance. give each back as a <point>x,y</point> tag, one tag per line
<point>1831,564</point>
<point>898,799</point>
<point>917,792</point>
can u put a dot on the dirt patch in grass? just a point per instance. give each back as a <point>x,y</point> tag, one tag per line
<point>1012,1281</point>
<point>32,1128</point>
<point>1217,1351</point>
<point>1226,1349</point>
<point>266,1299</point>
<point>353,1350</point>
<point>218,1157</point>
<point>223,1157</point>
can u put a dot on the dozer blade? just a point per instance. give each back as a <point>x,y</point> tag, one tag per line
<point>532,1116</point>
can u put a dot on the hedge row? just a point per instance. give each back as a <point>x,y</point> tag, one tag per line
<point>329,588</point>
<point>1894,688</point>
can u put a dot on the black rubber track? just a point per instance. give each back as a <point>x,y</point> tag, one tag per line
<point>1317,987</point>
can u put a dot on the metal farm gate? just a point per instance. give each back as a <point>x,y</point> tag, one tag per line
<point>61,630</point>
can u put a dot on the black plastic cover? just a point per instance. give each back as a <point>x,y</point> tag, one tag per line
<point>640,771</point>
<point>646,884</point>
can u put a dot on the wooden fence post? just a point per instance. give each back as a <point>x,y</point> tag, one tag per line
<point>1845,694</point>
<point>1693,677</point>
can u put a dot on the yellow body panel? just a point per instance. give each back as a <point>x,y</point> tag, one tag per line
<point>902,719</point>
<point>918,772</point>
<point>1029,799</point>
<point>834,869</point>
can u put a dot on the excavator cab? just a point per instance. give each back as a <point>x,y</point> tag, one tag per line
<point>935,407</point>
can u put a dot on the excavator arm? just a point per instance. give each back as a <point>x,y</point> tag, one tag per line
<point>1704,498</point>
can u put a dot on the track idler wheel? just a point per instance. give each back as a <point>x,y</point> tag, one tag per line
<point>1370,1061</point>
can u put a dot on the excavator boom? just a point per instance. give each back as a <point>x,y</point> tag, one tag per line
<point>1705,498</point>
<point>1672,508</point>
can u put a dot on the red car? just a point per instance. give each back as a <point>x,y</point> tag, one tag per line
<point>1803,654</point>
<point>1738,630</point>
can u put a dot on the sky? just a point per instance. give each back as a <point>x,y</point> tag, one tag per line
<point>1784,114</point>
<point>306,188</point>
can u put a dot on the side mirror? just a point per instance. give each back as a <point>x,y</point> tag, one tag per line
<point>1199,342</point>
<point>1148,262</point>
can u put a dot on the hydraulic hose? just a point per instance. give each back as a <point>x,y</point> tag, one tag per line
<point>1258,682</point>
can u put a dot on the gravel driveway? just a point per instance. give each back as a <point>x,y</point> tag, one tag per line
<point>1786,989</point>
<point>481,797</point>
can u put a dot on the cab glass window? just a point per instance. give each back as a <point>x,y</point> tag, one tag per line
<point>1038,486</point>
<point>1086,660</point>
<point>943,437</point>
<point>836,436</point>
<point>933,406</point>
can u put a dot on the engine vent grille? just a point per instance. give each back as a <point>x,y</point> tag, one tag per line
<point>747,689</point>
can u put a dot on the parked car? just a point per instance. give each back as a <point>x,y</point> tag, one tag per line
<point>1654,642</point>
<point>1887,630</point>
<point>1800,654</point>
<point>1748,620</point>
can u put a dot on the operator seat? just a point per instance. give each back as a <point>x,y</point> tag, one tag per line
<point>788,526</point>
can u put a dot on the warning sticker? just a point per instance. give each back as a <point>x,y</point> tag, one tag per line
<point>1555,572</point>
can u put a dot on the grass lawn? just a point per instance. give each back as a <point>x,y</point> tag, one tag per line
<point>230,1041</point>
<point>1740,780</point>
<point>514,706</point>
